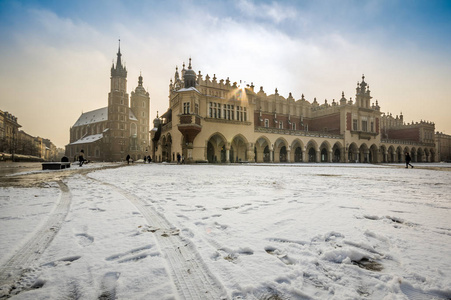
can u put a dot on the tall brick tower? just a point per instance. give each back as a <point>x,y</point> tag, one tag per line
<point>140,107</point>
<point>118,111</point>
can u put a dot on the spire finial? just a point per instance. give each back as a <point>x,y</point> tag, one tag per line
<point>363,77</point>
<point>189,67</point>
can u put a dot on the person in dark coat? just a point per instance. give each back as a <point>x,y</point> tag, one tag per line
<point>81,158</point>
<point>128,159</point>
<point>408,160</point>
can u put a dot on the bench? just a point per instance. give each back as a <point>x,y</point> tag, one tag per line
<point>56,165</point>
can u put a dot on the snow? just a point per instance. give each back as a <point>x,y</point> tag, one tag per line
<point>294,231</point>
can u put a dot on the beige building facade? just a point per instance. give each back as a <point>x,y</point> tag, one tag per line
<point>212,120</point>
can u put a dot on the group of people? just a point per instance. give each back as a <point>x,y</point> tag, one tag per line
<point>147,159</point>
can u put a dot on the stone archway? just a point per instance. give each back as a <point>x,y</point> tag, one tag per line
<point>373,155</point>
<point>280,151</point>
<point>353,153</point>
<point>262,150</point>
<point>238,149</point>
<point>311,155</point>
<point>336,153</point>
<point>283,154</point>
<point>216,148</point>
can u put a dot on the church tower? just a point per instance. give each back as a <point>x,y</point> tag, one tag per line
<point>118,110</point>
<point>140,106</point>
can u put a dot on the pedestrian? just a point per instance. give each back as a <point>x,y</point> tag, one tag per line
<point>408,160</point>
<point>128,159</point>
<point>179,157</point>
<point>81,158</point>
<point>149,159</point>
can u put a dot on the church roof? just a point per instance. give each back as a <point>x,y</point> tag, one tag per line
<point>88,139</point>
<point>98,115</point>
<point>93,116</point>
<point>131,115</point>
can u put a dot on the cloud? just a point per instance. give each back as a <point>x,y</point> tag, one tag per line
<point>273,12</point>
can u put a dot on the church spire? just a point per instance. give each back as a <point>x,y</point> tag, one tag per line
<point>119,70</point>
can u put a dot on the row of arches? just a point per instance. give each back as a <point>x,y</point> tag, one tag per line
<point>219,150</point>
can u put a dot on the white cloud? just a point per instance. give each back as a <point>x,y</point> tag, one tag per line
<point>273,12</point>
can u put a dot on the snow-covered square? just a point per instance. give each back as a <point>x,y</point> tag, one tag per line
<point>166,231</point>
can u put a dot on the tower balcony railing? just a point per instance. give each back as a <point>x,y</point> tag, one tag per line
<point>188,119</point>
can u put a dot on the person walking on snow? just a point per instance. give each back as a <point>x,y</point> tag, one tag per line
<point>128,159</point>
<point>81,158</point>
<point>408,159</point>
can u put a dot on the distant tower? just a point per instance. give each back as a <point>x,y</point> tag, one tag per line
<point>118,110</point>
<point>140,106</point>
<point>363,96</point>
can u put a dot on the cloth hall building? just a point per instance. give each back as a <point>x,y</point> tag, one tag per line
<point>211,120</point>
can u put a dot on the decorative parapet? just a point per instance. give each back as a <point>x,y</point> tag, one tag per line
<point>298,133</point>
<point>234,122</point>
<point>403,142</point>
<point>364,135</point>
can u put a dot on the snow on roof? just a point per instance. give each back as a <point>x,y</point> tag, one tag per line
<point>88,139</point>
<point>131,115</point>
<point>188,89</point>
<point>93,116</point>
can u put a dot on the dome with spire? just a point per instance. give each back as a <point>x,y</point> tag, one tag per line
<point>189,77</point>
<point>140,89</point>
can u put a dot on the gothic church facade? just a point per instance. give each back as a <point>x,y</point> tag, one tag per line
<point>117,130</point>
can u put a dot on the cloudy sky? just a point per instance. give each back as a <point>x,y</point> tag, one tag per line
<point>55,56</point>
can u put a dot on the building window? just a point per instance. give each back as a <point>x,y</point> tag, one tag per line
<point>210,110</point>
<point>266,123</point>
<point>186,108</point>
<point>293,126</point>
<point>280,125</point>
<point>372,126</point>
<point>354,125</point>
<point>364,125</point>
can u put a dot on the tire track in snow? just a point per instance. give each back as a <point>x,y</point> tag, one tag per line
<point>191,276</point>
<point>25,257</point>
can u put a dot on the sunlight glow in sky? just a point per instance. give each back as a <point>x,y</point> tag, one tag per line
<point>56,56</point>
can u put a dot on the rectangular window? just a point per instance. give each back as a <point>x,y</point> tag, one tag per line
<point>364,125</point>
<point>210,110</point>
<point>293,126</point>
<point>266,123</point>
<point>219,110</point>
<point>186,108</point>
<point>354,125</point>
<point>280,125</point>
<point>372,126</point>
<point>196,109</point>
<point>245,115</point>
